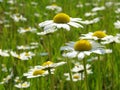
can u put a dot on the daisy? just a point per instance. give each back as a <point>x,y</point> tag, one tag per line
<point>117,24</point>
<point>80,68</point>
<point>95,9</point>
<point>87,22</point>
<point>4,53</point>
<point>61,20</point>
<point>23,56</point>
<point>90,14</point>
<point>75,77</point>
<point>82,48</point>
<point>54,7</point>
<point>97,35</point>
<point>36,72</point>
<point>17,17</point>
<point>22,47</point>
<point>111,39</point>
<point>117,11</point>
<point>50,64</point>
<point>29,29</point>
<point>7,78</point>
<point>23,85</point>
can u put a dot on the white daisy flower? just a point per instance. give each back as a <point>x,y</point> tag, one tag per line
<point>50,64</point>
<point>23,85</point>
<point>29,29</point>
<point>4,53</point>
<point>22,47</point>
<point>61,20</point>
<point>97,35</point>
<point>82,48</point>
<point>54,7</point>
<point>7,78</point>
<point>117,24</point>
<point>23,56</point>
<point>95,9</point>
<point>87,22</point>
<point>75,77</point>
<point>80,68</point>
<point>117,10</point>
<point>35,72</point>
<point>88,14</point>
<point>17,17</point>
<point>111,39</point>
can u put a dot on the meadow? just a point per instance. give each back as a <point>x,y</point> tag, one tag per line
<point>59,44</point>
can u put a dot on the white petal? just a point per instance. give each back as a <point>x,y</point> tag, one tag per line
<point>81,56</point>
<point>66,48</point>
<point>74,24</point>
<point>87,53</point>
<point>70,54</point>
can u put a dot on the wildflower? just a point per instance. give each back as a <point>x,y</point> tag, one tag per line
<point>17,17</point>
<point>54,7</point>
<point>23,56</point>
<point>36,72</point>
<point>17,79</point>
<point>90,14</point>
<point>97,35</point>
<point>22,47</point>
<point>117,11</point>
<point>61,20</point>
<point>29,29</point>
<point>117,24</point>
<point>95,9</point>
<point>109,4</point>
<point>4,68</point>
<point>75,77</point>
<point>82,48</point>
<point>23,85</point>
<point>80,68</point>
<point>7,79</point>
<point>50,64</point>
<point>111,39</point>
<point>4,53</point>
<point>87,22</point>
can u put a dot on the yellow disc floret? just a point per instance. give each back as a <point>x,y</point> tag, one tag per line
<point>76,76</point>
<point>47,63</point>
<point>38,72</point>
<point>61,18</point>
<point>99,34</point>
<point>82,45</point>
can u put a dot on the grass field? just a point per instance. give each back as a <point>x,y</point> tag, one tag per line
<point>59,44</point>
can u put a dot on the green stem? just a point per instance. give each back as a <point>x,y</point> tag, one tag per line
<point>85,70</point>
<point>51,80</point>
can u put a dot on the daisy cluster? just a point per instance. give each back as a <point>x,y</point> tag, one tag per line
<point>36,39</point>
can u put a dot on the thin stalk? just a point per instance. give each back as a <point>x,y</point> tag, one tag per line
<point>85,70</point>
<point>51,80</point>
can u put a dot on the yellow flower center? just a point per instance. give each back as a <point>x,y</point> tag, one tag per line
<point>54,4</point>
<point>99,34</point>
<point>27,54</point>
<point>27,29</point>
<point>82,45</point>
<point>47,63</point>
<point>76,76</point>
<point>38,72</point>
<point>61,18</point>
<point>18,57</point>
<point>24,84</point>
